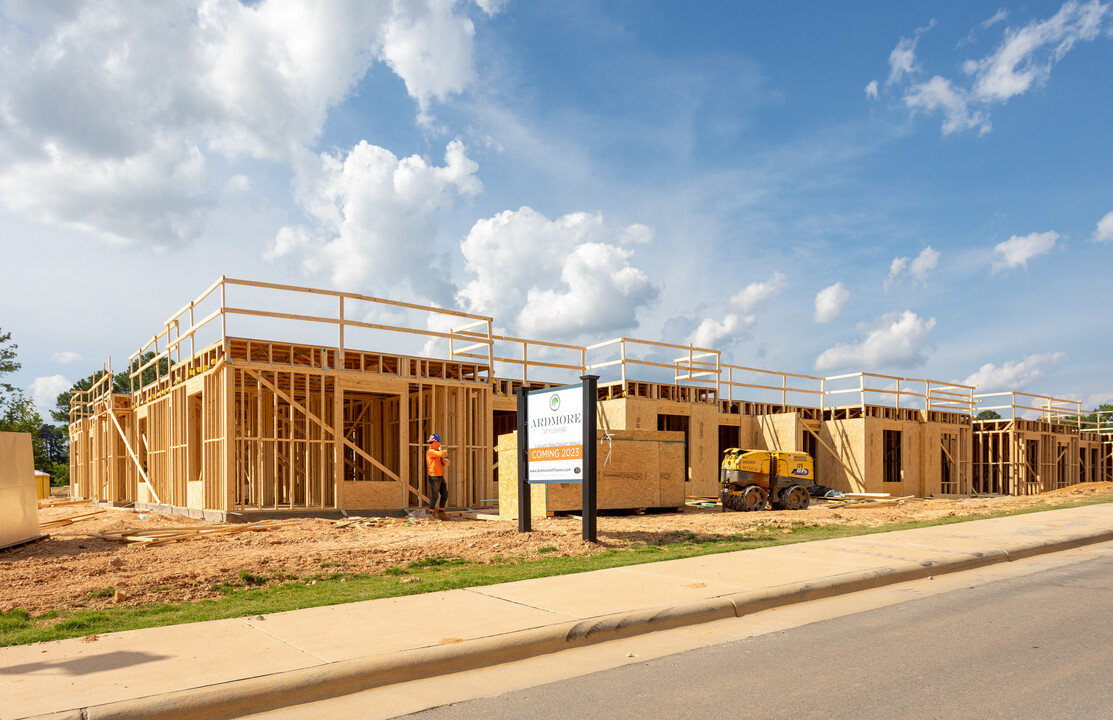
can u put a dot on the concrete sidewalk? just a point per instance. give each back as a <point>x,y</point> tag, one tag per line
<point>229,668</point>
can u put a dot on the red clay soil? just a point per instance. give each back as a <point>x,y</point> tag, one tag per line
<point>70,569</point>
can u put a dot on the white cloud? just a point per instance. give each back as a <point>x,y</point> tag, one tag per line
<point>237,184</point>
<point>895,340</point>
<point>917,267</point>
<point>1027,54</point>
<point>715,334</point>
<point>753,294</point>
<point>939,94</point>
<point>45,391</point>
<point>1104,231</point>
<point>1013,376</point>
<point>999,16</point>
<point>897,267</point>
<point>1018,250</point>
<point>66,357</point>
<point>110,111</point>
<point>158,197</point>
<point>829,303</point>
<point>925,262</point>
<point>491,7</point>
<point>1023,59</point>
<point>376,217</point>
<point>430,48</point>
<point>1093,401</point>
<point>871,89</point>
<point>555,279</point>
<point>902,60</point>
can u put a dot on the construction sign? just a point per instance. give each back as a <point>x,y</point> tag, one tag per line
<point>556,435</point>
<point>556,444</point>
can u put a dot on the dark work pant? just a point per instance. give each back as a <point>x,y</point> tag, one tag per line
<point>437,488</point>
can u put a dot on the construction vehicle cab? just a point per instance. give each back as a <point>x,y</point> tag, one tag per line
<point>751,479</point>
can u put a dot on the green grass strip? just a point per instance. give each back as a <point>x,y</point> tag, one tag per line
<point>252,597</point>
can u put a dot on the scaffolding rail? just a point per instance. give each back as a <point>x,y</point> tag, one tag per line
<point>1010,405</point>
<point>185,332</point>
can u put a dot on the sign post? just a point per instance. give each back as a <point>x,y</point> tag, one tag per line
<point>556,445</point>
<point>588,508</point>
<point>525,511</point>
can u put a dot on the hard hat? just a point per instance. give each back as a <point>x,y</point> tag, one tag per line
<point>434,438</point>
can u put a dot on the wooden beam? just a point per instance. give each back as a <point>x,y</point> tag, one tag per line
<point>295,404</point>
<point>134,457</point>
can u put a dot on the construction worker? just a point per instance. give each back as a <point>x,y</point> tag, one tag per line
<point>435,462</point>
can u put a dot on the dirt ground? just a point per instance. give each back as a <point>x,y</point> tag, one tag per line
<point>71,569</point>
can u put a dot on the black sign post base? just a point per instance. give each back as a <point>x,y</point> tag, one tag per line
<point>525,511</point>
<point>590,383</point>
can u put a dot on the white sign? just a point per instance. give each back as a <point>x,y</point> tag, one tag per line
<point>555,428</point>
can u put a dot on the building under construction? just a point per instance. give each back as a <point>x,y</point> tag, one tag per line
<point>258,398</point>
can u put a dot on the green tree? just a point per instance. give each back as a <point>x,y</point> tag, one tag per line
<point>19,415</point>
<point>121,384</point>
<point>1101,419</point>
<point>988,415</point>
<point>8,364</point>
<point>61,412</point>
<point>55,441</point>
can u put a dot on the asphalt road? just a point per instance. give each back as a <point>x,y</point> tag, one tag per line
<point>1037,646</point>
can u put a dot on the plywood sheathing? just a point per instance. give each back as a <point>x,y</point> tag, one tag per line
<point>19,509</point>
<point>851,451</point>
<point>777,432</point>
<point>637,469</point>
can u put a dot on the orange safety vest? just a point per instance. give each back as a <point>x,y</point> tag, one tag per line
<point>435,461</point>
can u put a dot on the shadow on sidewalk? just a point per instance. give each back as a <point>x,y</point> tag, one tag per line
<point>84,665</point>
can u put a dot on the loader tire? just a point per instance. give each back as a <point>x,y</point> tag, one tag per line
<point>753,499</point>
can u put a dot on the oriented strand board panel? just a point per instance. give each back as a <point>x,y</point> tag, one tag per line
<point>946,466</point>
<point>703,450</point>
<point>777,432</point>
<point>612,413</point>
<point>630,413</point>
<point>19,508</point>
<point>846,437</point>
<point>645,469</point>
<point>368,495</point>
<point>910,457</point>
<point>508,481</point>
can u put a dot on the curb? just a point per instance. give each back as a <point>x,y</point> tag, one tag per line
<point>237,698</point>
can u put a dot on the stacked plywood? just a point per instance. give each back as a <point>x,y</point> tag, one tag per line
<point>636,469</point>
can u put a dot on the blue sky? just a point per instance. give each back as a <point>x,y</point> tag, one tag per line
<point>886,187</point>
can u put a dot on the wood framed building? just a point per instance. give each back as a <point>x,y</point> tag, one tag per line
<point>258,399</point>
<point>1039,443</point>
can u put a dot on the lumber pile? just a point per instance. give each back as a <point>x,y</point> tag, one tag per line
<point>868,500</point>
<point>60,502</point>
<point>374,522</point>
<point>62,522</point>
<point>161,536</point>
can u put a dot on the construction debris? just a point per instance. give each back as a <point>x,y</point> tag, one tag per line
<point>150,538</point>
<point>868,500</point>
<point>62,522</point>
<point>370,522</point>
<point>60,502</point>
